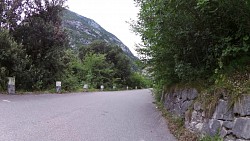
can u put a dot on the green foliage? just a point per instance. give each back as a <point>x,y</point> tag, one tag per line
<point>33,42</point>
<point>158,91</point>
<point>35,49</point>
<point>97,71</point>
<point>211,138</point>
<point>72,73</point>
<point>114,59</point>
<point>99,64</point>
<point>139,81</point>
<point>44,42</point>
<point>189,39</point>
<point>12,58</point>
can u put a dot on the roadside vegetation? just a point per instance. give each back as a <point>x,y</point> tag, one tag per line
<point>192,41</point>
<point>35,49</point>
<point>176,125</point>
<point>204,44</point>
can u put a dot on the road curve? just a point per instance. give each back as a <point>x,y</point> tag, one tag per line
<point>99,116</point>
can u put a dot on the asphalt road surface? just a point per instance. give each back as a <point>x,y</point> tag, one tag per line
<point>100,116</point>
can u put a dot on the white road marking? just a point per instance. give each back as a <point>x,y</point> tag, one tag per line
<point>6,101</point>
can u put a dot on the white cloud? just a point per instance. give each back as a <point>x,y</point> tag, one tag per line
<point>111,15</point>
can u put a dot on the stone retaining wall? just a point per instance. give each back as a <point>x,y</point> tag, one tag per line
<point>232,123</point>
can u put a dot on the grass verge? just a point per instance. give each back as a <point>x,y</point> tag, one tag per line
<point>176,125</point>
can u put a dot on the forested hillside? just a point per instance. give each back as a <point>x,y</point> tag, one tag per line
<point>203,43</point>
<point>35,49</point>
<point>83,31</point>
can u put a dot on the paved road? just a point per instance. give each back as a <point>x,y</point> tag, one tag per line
<point>104,116</point>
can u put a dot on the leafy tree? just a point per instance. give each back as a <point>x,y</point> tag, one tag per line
<point>114,57</point>
<point>190,39</point>
<point>45,42</point>
<point>97,70</point>
<point>10,13</point>
<point>139,81</point>
<point>12,58</point>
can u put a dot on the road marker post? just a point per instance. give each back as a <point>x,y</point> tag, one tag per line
<point>102,87</point>
<point>85,87</point>
<point>11,85</point>
<point>58,86</point>
<point>114,87</point>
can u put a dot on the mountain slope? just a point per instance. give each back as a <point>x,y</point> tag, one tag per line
<point>83,31</point>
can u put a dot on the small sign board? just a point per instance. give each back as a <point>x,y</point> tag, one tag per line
<point>85,86</point>
<point>58,83</point>
<point>11,81</point>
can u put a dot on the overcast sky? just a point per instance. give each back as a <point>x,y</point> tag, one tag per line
<point>111,15</point>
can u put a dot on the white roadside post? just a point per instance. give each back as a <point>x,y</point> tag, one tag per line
<point>114,87</point>
<point>102,87</point>
<point>58,86</point>
<point>127,87</point>
<point>85,87</point>
<point>11,85</point>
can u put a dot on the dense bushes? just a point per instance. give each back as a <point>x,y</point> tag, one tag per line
<point>188,40</point>
<point>34,48</point>
<point>12,57</point>
<point>101,63</point>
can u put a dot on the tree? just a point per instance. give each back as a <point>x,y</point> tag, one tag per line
<point>12,58</point>
<point>189,39</point>
<point>10,13</point>
<point>97,71</point>
<point>44,42</point>
<point>113,56</point>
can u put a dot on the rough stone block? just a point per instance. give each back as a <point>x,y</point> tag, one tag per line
<point>184,95</point>
<point>214,126</point>
<point>178,99</point>
<point>228,124</point>
<point>192,94</point>
<point>187,119</point>
<point>203,114</point>
<point>177,109</point>
<point>242,107</point>
<point>169,101</point>
<point>185,106</point>
<point>223,112</point>
<point>241,140</point>
<point>223,132</point>
<point>169,105</point>
<point>242,128</point>
<point>197,106</point>
<point>205,129</point>
<point>198,127</point>
<point>196,117</point>
<point>230,138</point>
